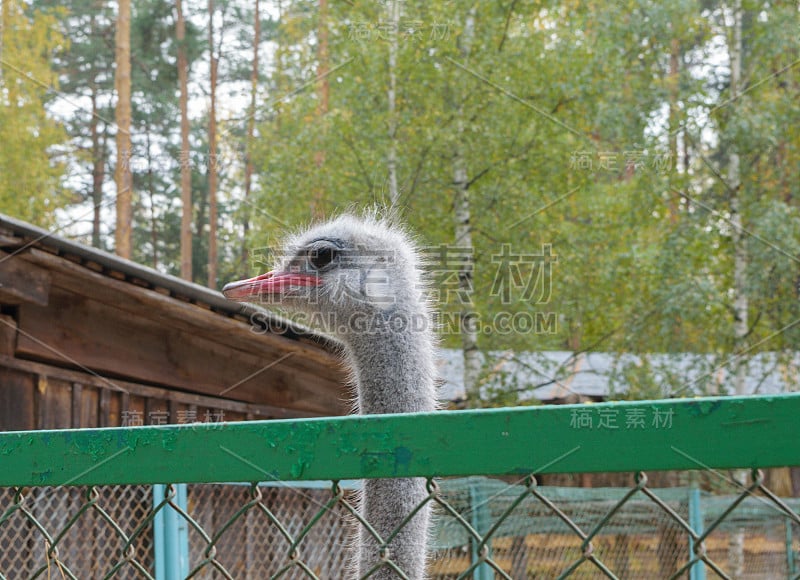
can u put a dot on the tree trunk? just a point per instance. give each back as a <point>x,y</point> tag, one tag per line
<point>391,160</point>
<point>463,234</point>
<point>98,150</point>
<point>322,64</point>
<point>740,302</point>
<point>673,83</point>
<point>322,103</point>
<point>184,157</point>
<point>123,176</point>
<point>98,168</point>
<point>463,241</point>
<point>212,154</point>
<point>280,68</point>
<point>200,215</point>
<point>251,129</point>
<point>734,183</point>
<point>151,194</point>
<point>4,20</point>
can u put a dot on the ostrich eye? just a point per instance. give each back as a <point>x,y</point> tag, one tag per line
<point>321,258</point>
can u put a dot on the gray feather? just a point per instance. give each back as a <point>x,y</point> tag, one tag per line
<point>382,316</point>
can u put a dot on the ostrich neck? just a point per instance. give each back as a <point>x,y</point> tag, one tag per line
<point>394,371</point>
<point>394,368</point>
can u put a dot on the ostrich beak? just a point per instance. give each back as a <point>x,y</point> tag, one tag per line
<point>269,284</point>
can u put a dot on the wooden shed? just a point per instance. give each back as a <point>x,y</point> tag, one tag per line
<point>88,339</point>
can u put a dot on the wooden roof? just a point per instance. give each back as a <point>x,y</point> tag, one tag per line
<point>75,308</point>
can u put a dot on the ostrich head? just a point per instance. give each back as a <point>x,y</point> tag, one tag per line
<point>359,279</point>
<point>349,275</point>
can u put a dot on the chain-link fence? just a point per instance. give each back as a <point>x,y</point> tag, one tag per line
<point>102,518</point>
<point>484,529</point>
<point>625,533</point>
<point>284,526</point>
<point>56,532</point>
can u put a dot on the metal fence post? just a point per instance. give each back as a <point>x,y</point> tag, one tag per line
<point>698,569</point>
<point>481,520</point>
<point>791,565</point>
<point>170,535</point>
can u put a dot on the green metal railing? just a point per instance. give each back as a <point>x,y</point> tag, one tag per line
<point>692,434</point>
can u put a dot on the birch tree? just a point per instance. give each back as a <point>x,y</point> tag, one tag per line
<point>734,186</point>
<point>391,157</point>
<point>463,228</point>
<point>739,237</point>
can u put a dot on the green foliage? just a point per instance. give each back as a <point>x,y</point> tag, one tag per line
<point>600,131</point>
<point>30,168</point>
<point>546,88</point>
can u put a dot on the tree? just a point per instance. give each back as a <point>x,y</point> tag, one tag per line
<point>323,85</point>
<point>462,218</point>
<point>250,132</point>
<point>186,170</point>
<point>740,302</point>
<point>391,98</point>
<point>85,69</point>
<point>123,175</point>
<point>590,142</point>
<point>213,55</point>
<point>30,170</point>
<point>156,140</point>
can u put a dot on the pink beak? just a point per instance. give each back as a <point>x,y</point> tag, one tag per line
<point>269,284</point>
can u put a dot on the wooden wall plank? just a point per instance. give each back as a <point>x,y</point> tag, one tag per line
<point>115,409</point>
<point>90,403</point>
<point>133,414</point>
<point>16,400</point>
<point>156,412</point>
<point>75,330</point>
<point>104,408</point>
<point>96,382</point>
<point>187,414</point>
<point>77,405</point>
<point>9,240</point>
<point>22,281</point>
<point>152,304</point>
<point>234,416</point>
<point>53,403</point>
<point>8,335</point>
<point>173,408</point>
